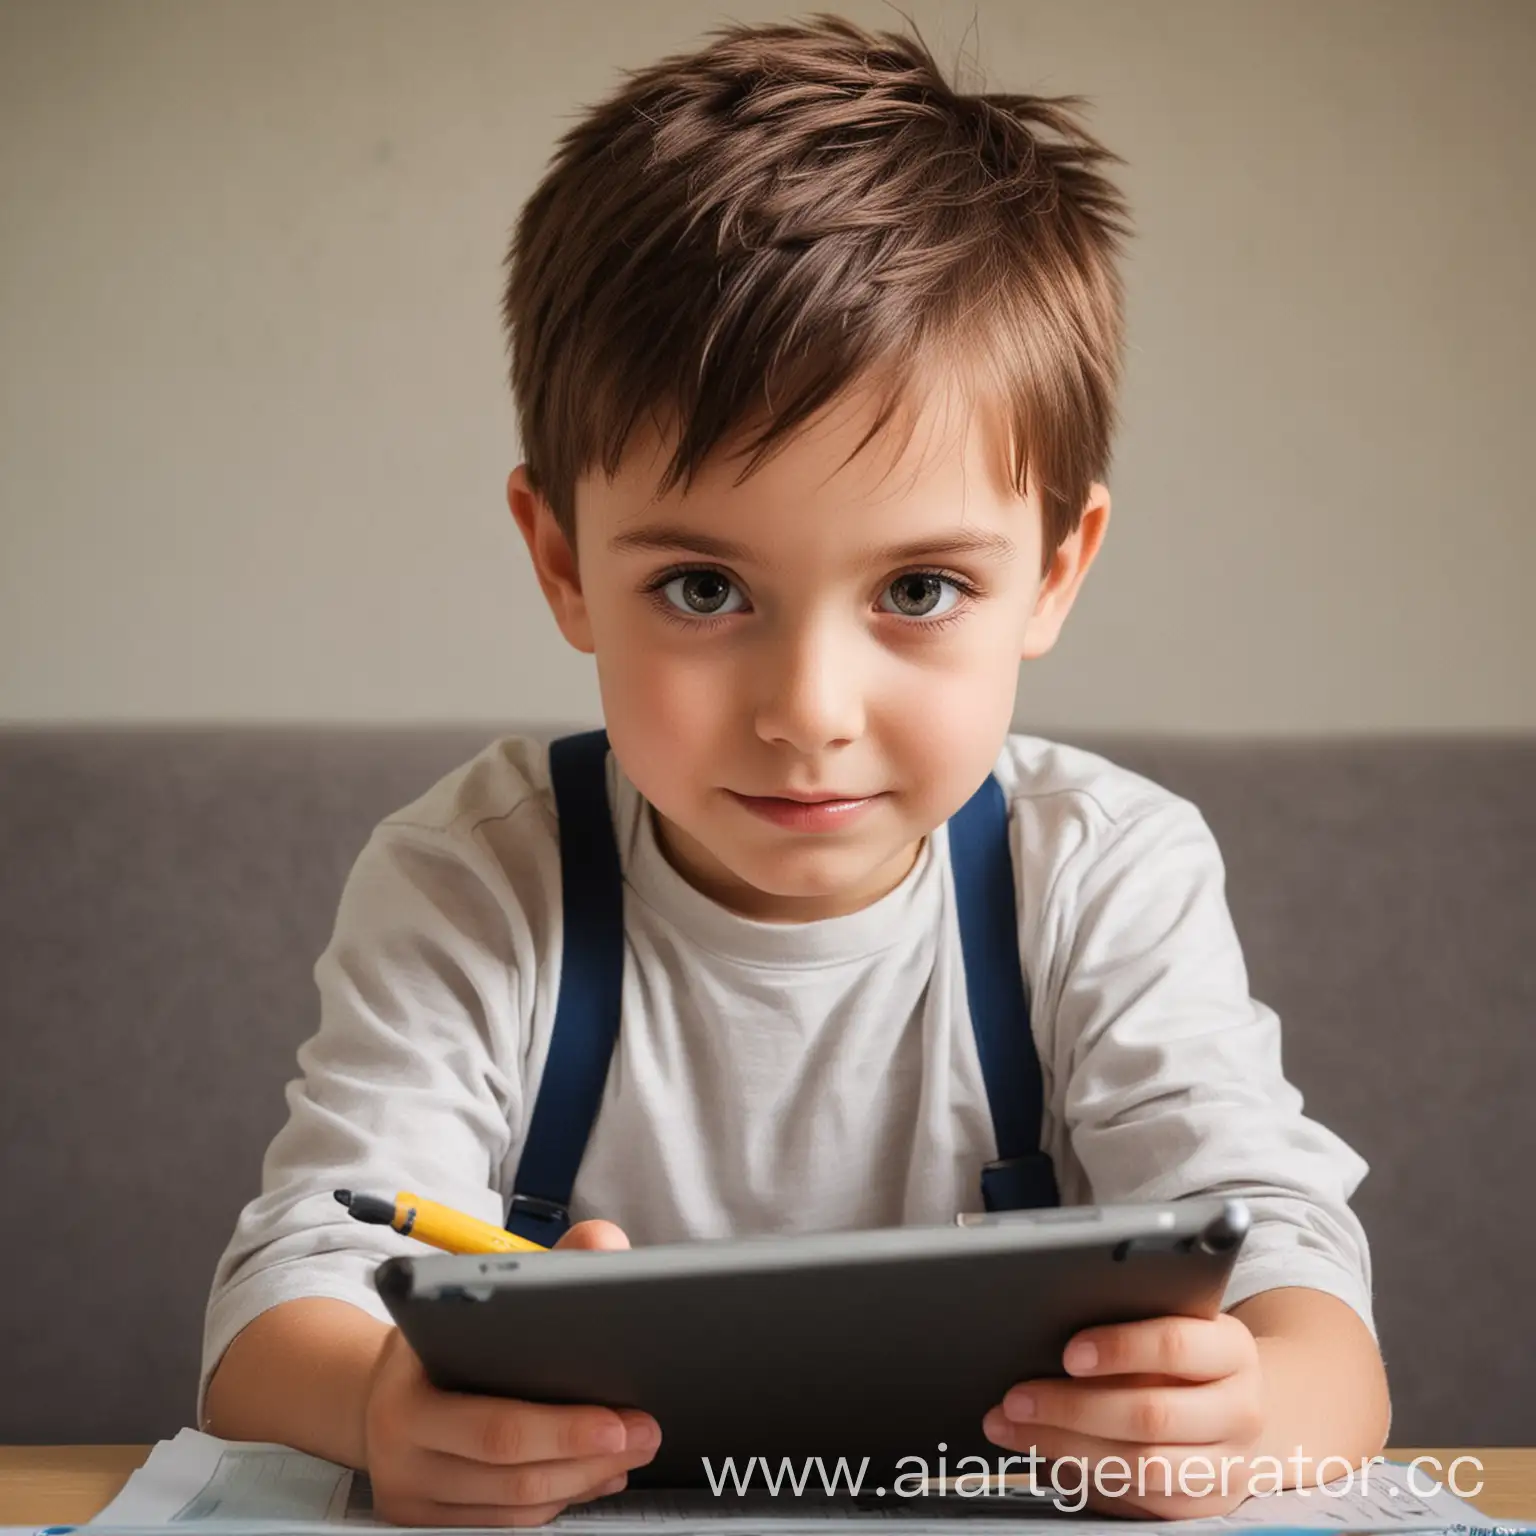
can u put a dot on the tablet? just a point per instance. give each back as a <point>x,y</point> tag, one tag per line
<point>884,1348</point>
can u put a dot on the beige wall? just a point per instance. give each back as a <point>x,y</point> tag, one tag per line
<point>253,429</point>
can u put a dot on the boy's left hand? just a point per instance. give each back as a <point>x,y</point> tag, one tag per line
<point>1171,1387</point>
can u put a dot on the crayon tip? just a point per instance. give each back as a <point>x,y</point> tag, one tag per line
<point>344,1197</point>
<point>369,1208</point>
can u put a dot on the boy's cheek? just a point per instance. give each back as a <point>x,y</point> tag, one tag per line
<point>668,719</point>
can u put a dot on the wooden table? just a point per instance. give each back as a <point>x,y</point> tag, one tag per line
<point>67,1484</point>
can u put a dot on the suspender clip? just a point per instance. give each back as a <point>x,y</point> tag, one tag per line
<point>1026,1183</point>
<point>537,1218</point>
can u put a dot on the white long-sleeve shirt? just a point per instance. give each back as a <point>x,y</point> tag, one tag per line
<point>777,1077</point>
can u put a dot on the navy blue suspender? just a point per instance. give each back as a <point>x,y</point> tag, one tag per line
<point>592,974</point>
<point>591,985</point>
<point>1022,1177</point>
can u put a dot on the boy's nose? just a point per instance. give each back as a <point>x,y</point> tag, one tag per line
<point>810,697</point>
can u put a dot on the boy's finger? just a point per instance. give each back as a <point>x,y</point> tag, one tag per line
<point>616,1484</point>
<point>1154,1469</point>
<point>1191,1348</point>
<point>594,1234</point>
<point>424,1512</point>
<point>1198,1414</point>
<point>503,1432</point>
<point>452,1481</point>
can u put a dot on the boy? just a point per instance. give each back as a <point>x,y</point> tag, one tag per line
<point>815,361</point>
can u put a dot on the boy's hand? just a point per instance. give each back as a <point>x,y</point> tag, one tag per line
<point>453,1458</point>
<point>1172,1387</point>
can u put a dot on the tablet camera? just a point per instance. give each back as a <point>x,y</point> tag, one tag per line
<point>1226,1233</point>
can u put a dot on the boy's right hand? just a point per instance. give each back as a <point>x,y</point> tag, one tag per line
<point>453,1458</point>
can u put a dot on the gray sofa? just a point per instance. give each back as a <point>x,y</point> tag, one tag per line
<point>165,893</point>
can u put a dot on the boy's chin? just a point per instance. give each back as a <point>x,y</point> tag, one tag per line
<point>819,882</point>
<point>779,876</point>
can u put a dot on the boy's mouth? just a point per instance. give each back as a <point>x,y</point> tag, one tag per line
<point>805,813</point>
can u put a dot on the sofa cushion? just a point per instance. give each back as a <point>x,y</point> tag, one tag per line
<point>167,891</point>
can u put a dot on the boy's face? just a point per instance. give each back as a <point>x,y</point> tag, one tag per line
<point>849,636</point>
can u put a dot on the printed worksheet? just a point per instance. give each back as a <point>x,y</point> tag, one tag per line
<point>222,1488</point>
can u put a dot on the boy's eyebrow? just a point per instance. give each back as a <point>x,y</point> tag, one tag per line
<point>964,541</point>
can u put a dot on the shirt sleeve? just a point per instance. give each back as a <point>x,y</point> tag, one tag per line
<point>408,1084</point>
<point>1172,1075</point>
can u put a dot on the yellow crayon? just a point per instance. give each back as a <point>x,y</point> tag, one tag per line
<point>426,1220</point>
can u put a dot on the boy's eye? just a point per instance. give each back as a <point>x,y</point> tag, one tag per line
<point>705,593</point>
<point>920,594</point>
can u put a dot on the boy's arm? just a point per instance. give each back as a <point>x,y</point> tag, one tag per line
<point>298,1375</point>
<point>1166,1071</point>
<point>1167,1075</point>
<point>411,1081</point>
<point>1324,1384</point>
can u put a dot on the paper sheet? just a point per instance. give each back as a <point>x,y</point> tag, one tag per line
<point>225,1488</point>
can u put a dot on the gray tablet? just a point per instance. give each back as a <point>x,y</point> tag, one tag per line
<point>876,1347</point>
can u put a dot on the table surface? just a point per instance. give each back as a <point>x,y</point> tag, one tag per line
<point>67,1484</point>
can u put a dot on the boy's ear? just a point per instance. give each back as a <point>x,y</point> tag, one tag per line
<point>554,561</point>
<point>1068,567</point>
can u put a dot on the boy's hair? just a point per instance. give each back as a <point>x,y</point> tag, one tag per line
<point>740,234</point>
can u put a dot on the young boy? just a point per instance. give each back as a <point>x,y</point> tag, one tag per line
<point>815,361</point>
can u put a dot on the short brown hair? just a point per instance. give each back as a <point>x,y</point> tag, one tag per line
<point>739,234</point>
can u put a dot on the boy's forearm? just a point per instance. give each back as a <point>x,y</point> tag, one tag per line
<point>298,1375</point>
<point>1325,1387</point>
